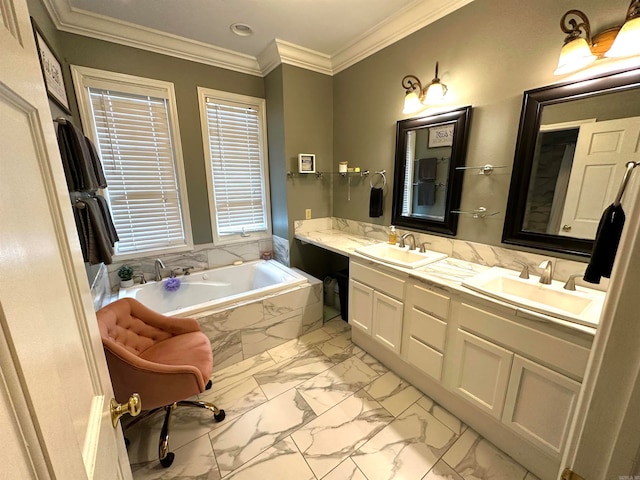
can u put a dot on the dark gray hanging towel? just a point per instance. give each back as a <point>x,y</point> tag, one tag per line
<point>75,148</point>
<point>427,168</point>
<point>108,221</point>
<point>96,164</point>
<point>605,245</point>
<point>426,193</point>
<point>376,202</point>
<point>93,233</point>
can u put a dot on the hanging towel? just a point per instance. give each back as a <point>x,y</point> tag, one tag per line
<point>93,233</point>
<point>108,221</point>
<point>605,245</point>
<point>96,164</point>
<point>427,168</point>
<point>376,202</point>
<point>426,193</point>
<point>74,146</point>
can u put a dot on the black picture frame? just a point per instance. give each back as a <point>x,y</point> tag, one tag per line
<point>533,104</point>
<point>52,70</point>
<point>460,118</point>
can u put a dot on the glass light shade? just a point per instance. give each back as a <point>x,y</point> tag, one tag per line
<point>411,103</point>
<point>627,42</point>
<point>435,93</point>
<point>574,55</point>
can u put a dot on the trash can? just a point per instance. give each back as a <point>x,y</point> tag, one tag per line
<point>343,291</point>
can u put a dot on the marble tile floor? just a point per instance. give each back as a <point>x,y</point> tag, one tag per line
<point>317,407</point>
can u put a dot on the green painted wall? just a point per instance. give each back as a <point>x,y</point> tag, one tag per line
<point>490,52</point>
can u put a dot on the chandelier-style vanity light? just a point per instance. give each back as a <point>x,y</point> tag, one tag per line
<point>581,48</point>
<point>416,97</point>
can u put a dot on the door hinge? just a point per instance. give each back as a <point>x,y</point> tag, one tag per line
<point>569,474</point>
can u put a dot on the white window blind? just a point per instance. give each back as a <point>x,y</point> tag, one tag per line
<point>407,196</point>
<point>135,145</point>
<point>237,166</point>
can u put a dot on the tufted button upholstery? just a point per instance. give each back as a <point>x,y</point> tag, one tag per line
<point>164,359</point>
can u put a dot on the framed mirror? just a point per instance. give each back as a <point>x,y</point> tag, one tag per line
<point>573,143</point>
<point>426,184</point>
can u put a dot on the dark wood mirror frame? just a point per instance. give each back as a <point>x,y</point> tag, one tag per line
<point>532,106</point>
<point>460,118</point>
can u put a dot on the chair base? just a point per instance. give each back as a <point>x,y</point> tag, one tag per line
<point>164,455</point>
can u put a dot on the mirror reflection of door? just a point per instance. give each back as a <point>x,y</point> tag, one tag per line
<point>577,169</point>
<point>602,151</point>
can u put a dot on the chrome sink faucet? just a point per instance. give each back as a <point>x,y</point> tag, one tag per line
<point>547,273</point>
<point>157,266</point>
<point>405,237</point>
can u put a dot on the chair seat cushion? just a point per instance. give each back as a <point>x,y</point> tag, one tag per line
<point>188,349</point>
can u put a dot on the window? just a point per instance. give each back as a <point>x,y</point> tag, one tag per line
<point>233,131</point>
<point>133,124</point>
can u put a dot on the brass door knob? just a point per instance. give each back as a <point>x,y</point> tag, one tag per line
<point>133,407</point>
<point>566,228</point>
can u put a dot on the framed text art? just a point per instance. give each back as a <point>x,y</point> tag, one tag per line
<point>51,70</point>
<point>306,163</point>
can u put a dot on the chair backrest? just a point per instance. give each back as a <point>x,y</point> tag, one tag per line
<point>126,336</point>
<point>119,327</point>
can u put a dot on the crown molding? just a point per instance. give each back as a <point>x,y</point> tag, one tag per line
<point>82,22</point>
<point>415,16</point>
<point>410,19</point>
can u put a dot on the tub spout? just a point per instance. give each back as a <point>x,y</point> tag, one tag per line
<point>158,265</point>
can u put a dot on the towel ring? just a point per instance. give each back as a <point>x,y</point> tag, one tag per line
<point>382,174</point>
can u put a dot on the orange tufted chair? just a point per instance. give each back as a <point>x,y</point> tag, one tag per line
<point>164,359</point>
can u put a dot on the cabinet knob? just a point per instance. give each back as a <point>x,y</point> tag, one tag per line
<point>566,228</point>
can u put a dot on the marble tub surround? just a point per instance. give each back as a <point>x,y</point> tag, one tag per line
<point>248,329</point>
<point>281,250</point>
<point>380,428</point>
<point>202,257</point>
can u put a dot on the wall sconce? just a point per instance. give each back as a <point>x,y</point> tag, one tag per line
<point>416,97</point>
<point>578,51</point>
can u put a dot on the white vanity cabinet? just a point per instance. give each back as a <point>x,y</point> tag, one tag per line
<point>376,304</point>
<point>527,377</point>
<point>425,326</point>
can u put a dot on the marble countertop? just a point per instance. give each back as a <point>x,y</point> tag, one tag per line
<point>448,273</point>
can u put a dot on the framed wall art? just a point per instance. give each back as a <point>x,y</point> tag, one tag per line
<point>51,69</point>
<point>307,163</point>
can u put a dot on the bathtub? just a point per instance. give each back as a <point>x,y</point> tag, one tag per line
<point>217,289</point>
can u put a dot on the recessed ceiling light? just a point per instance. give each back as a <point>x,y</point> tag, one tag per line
<point>241,29</point>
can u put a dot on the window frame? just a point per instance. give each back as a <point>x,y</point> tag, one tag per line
<point>83,79</point>
<point>260,105</point>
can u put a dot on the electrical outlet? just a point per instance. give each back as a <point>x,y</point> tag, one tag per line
<point>307,214</point>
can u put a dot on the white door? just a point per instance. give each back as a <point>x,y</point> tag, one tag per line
<point>481,372</point>
<point>54,383</point>
<point>360,306</point>
<point>387,321</point>
<point>602,151</point>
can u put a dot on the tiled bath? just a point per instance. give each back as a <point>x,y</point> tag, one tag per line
<point>246,330</point>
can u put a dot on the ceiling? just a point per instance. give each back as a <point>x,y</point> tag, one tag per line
<point>322,35</point>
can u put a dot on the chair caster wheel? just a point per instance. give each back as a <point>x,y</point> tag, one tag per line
<point>168,460</point>
<point>219,416</point>
<point>208,385</point>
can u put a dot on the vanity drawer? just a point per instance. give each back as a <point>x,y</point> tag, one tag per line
<point>427,329</point>
<point>425,358</point>
<point>392,286</point>
<point>431,302</point>
<point>557,353</point>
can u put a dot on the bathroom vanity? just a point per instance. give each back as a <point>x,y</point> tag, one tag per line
<point>510,373</point>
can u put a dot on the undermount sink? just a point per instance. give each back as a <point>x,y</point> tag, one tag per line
<point>402,257</point>
<point>581,306</point>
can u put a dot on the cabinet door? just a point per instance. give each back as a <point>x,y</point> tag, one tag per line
<point>540,404</point>
<point>360,304</point>
<point>481,372</point>
<point>387,321</point>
